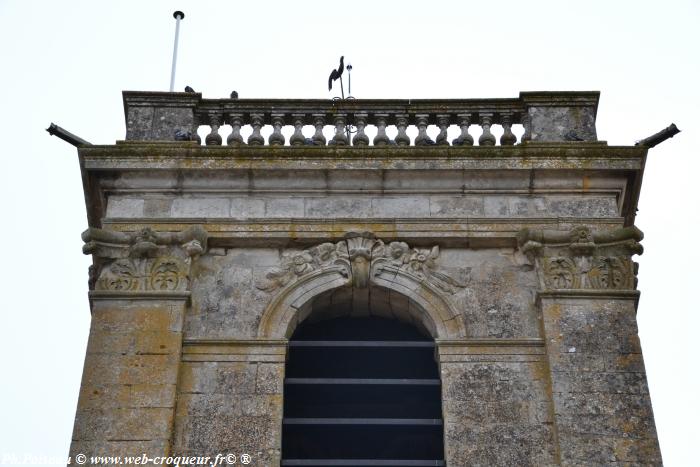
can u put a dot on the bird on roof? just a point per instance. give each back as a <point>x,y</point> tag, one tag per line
<point>189,89</point>
<point>234,94</point>
<point>335,74</point>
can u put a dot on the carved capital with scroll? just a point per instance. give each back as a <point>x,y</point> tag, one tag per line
<point>143,261</point>
<point>583,259</point>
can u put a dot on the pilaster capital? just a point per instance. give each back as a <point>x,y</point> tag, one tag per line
<point>582,259</point>
<point>143,261</point>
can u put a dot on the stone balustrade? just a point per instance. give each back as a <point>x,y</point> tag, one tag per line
<point>544,116</point>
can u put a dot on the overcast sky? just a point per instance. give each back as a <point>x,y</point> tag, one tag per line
<point>68,62</point>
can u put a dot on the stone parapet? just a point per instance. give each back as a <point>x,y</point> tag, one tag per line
<point>545,116</point>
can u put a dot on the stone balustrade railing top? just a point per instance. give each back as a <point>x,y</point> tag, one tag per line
<point>544,116</point>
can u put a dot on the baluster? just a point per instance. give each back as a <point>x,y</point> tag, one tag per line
<point>381,139</point>
<point>255,138</point>
<point>213,138</point>
<point>297,139</point>
<point>486,138</point>
<point>508,138</point>
<point>464,138</point>
<point>525,120</point>
<point>402,138</point>
<point>340,138</point>
<point>235,138</point>
<point>277,138</point>
<point>319,122</point>
<point>422,123</point>
<point>443,122</point>
<point>360,138</point>
<point>195,127</point>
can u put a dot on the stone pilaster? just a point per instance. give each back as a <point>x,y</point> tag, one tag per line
<point>601,405</point>
<point>495,402</point>
<point>139,290</point>
<point>230,399</point>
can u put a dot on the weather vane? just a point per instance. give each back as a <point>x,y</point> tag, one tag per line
<point>338,74</point>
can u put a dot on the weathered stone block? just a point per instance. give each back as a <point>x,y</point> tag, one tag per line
<point>343,207</point>
<point>247,208</point>
<point>453,206</point>
<point>201,207</point>
<point>284,207</point>
<point>401,207</point>
<point>118,206</point>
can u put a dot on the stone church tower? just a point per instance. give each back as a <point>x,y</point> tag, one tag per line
<point>383,300</point>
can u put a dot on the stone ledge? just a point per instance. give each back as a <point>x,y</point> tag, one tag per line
<point>464,232</point>
<point>590,294</point>
<point>454,350</point>
<point>95,295</point>
<point>192,344</point>
<point>234,350</point>
<point>492,342</point>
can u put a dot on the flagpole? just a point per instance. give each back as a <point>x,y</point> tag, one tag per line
<point>178,15</point>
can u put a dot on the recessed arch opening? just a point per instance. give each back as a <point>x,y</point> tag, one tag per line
<point>375,301</point>
<point>362,382</point>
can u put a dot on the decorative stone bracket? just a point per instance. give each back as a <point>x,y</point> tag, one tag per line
<point>142,261</point>
<point>581,259</point>
<point>361,256</point>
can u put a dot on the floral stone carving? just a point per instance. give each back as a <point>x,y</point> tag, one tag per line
<point>361,256</point>
<point>582,259</point>
<point>142,261</point>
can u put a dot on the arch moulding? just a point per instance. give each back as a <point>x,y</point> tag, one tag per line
<point>359,261</point>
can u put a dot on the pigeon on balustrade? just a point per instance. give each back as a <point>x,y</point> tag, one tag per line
<point>571,135</point>
<point>189,89</point>
<point>182,135</point>
<point>234,95</point>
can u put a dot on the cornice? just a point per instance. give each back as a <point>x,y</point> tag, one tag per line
<point>185,156</point>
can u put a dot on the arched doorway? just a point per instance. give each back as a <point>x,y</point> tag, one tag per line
<point>361,390</point>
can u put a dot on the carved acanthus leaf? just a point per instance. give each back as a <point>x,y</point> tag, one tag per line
<point>297,264</point>
<point>163,274</point>
<point>145,260</point>
<point>361,253</point>
<point>582,259</point>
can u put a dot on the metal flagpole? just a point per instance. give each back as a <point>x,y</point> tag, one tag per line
<point>178,15</point>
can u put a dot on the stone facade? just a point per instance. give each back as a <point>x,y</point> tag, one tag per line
<point>517,259</point>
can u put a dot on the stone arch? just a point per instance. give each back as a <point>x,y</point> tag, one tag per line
<point>292,303</point>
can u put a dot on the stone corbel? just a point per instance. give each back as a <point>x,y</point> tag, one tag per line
<point>582,259</point>
<point>144,261</point>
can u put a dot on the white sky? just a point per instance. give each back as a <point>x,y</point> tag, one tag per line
<point>68,62</point>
